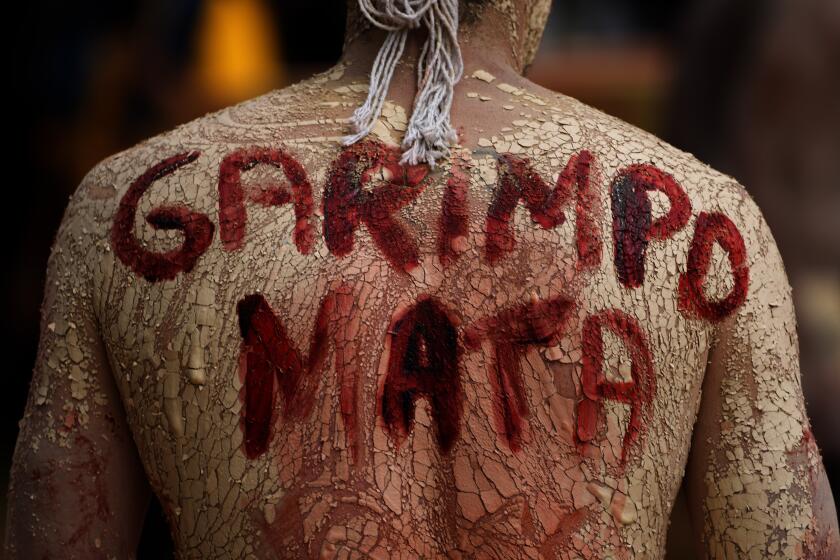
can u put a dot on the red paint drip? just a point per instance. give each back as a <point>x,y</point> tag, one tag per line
<point>270,356</point>
<point>232,213</point>
<point>454,218</point>
<point>348,203</point>
<point>347,373</point>
<point>196,227</point>
<point>512,331</point>
<point>518,181</point>
<point>423,362</point>
<point>348,379</point>
<point>638,393</point>
<point>711,228</point>
<point>632,225</point>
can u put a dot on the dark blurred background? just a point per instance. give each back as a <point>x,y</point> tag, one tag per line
<point>752,87</point>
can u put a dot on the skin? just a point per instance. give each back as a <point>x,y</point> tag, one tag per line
<point>138,384</point>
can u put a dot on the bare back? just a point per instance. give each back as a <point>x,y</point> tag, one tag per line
<point>321,352</point>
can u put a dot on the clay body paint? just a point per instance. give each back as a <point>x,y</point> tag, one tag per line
<point>423,361</point>
<point>349,201</point>
<point>197,228</point>
<point>366,187</point>
<point>454,215</point>
<point>518,181</point>
<point>232,195</point>
<point>511,332</point>
<point>271,359</point>
<point>596,388</point>
<point>633,226</point>
<point>713,228</point>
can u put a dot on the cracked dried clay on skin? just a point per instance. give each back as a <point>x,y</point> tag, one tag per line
<point>573,383</point>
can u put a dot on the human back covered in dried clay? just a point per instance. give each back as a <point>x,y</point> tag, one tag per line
<point>508,334</point>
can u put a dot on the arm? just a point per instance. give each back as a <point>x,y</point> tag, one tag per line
<point>756,484</point>
<point>77,487</point>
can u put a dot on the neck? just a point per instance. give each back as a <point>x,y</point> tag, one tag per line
<point>484,43</point>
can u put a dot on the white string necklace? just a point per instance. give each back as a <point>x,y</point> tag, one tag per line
<point>439,68</point>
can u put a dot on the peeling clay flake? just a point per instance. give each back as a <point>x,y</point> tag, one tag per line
<point>483,75</point>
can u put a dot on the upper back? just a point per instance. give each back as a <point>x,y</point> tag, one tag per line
<point>308,336</point>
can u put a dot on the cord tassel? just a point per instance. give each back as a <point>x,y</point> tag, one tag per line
<point>439,68</point>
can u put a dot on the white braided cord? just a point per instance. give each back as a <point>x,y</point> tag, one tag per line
<point>439,67</point>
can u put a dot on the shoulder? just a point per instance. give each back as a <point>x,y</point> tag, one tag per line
<point>684,211</point>
<point>620,146</point>
<point>730,261</point>
<point>271,119</point>
<point>155,206</point>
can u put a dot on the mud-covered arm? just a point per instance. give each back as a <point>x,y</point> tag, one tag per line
<point>756,484</point>
<point>77,486</point>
